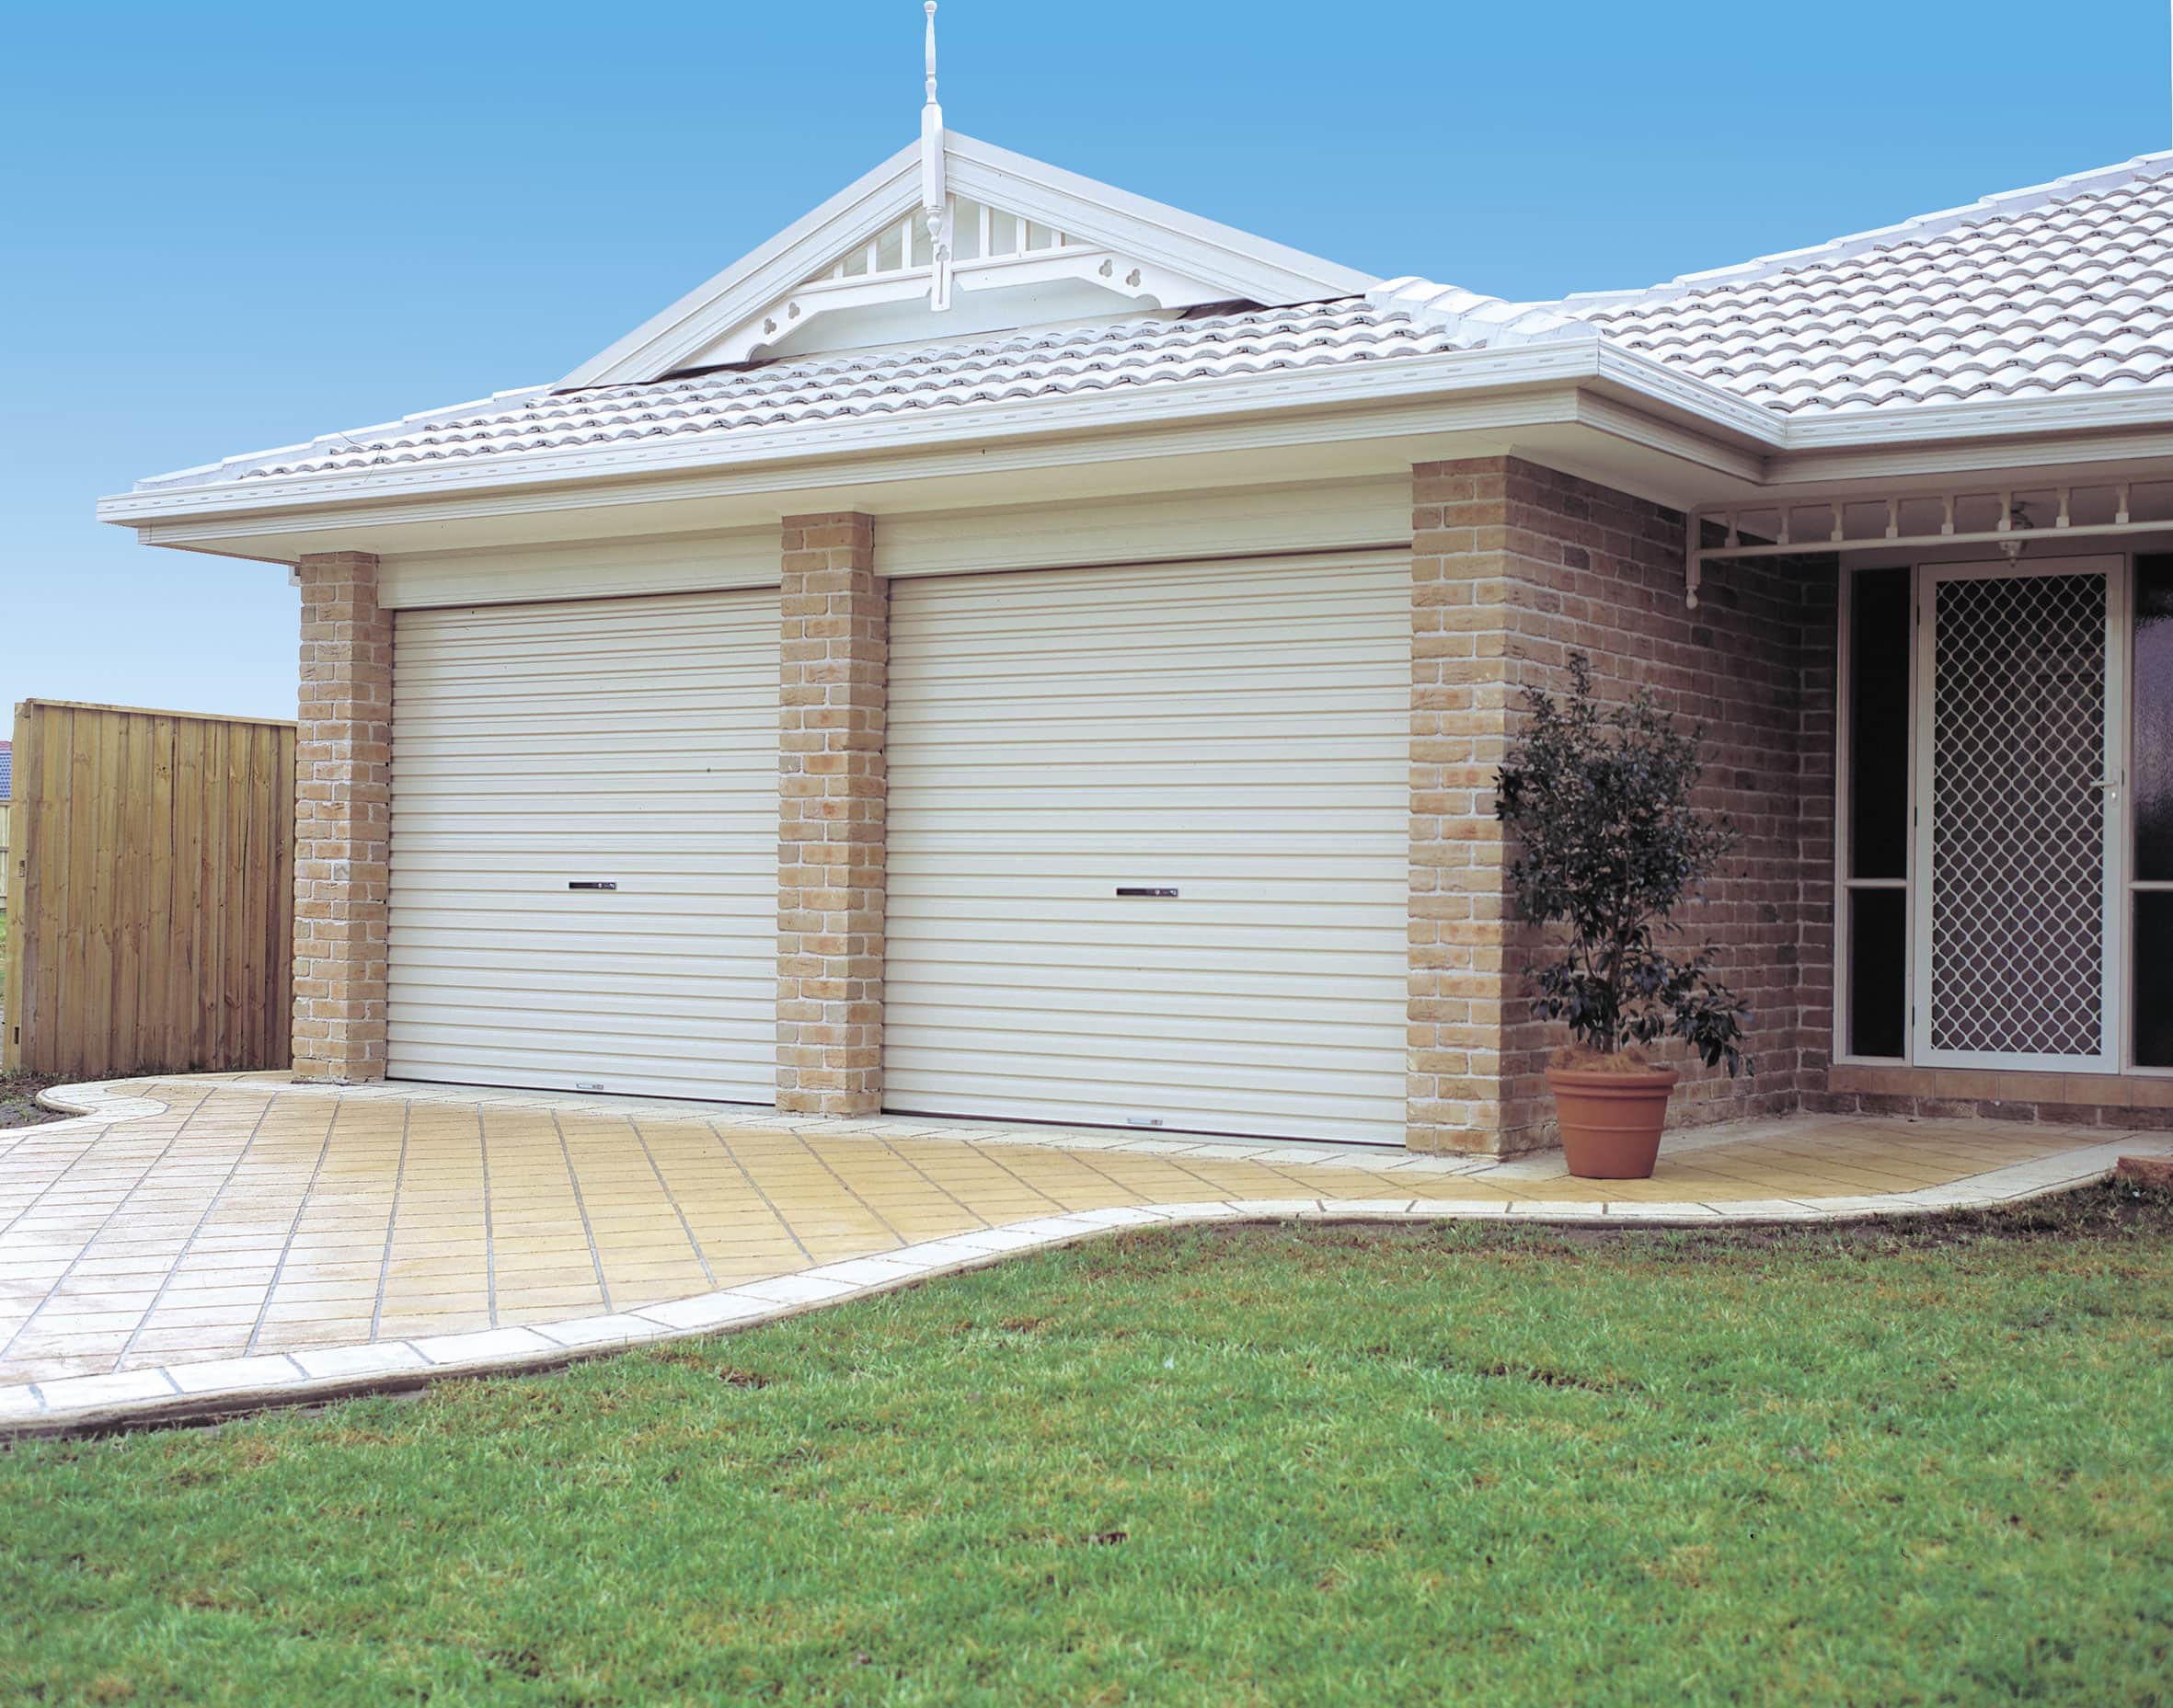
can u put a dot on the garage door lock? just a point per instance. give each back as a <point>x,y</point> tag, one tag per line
<point>591,883</point>
<point>1123,890</point>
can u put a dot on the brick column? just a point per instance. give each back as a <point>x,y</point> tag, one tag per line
<point>829,825</point>
<point>1460,718</point>
<point>342,821</point>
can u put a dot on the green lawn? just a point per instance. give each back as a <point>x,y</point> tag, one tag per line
<point>1275,1465</point>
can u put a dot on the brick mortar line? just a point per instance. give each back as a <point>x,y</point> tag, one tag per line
<point>995,1162</point>
<point>1177,1162</point>
<point>181,1256</point>
<point>672,1198</point>
<point>391,1223</point>
<point>755,1185</point>
<point>294,1227</point>
<point>490,1218</point>
<point>90,1139</point>
<point>134,1186</point>
<point>582,1205</point>
<point>851,1191</point>
<point>1079,1157</point>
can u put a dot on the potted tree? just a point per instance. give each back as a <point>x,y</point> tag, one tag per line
<point>1610,846</point>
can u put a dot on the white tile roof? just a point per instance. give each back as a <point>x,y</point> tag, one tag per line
<point>1002,367</point>
<point>2065,288</point>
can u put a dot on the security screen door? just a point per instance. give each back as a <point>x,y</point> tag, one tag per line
<point>2019,671</point>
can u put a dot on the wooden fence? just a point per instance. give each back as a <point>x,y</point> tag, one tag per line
<point>151,899</point>
<point>5,862</point>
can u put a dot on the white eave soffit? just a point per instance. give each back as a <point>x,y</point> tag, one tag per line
<point>1029,243</point>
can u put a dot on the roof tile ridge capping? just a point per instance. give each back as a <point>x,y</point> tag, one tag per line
<point>1472,319</point>
<point>2001,204</point>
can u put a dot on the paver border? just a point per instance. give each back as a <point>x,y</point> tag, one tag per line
<point>216,1389</point>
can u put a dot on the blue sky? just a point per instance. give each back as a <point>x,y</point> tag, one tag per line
<point>233,227</point>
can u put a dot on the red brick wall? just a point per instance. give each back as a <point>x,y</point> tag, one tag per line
<point>830,819</point>
<point>2132,1102</point>
<point>342,821</point>
<point>1515,567</point>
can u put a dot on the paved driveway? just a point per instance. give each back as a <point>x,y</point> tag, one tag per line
<point>206,1219</point>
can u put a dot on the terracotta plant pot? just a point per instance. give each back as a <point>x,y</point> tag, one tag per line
<point>1611,1120</point>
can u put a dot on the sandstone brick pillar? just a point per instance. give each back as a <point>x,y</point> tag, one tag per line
<point>1460,719</point>
<point>342,821</point>
<point>829,825</point>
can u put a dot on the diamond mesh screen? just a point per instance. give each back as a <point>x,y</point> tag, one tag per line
<point>2018,831</point>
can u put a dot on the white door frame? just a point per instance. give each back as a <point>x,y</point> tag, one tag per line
<point>2112,1026</point>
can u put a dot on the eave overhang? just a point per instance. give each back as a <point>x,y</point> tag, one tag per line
<point>1203,403</point>
<point>1717,448</point>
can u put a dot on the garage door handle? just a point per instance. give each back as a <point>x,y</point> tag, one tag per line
<point>1123,891</point>
<point>591,883</point>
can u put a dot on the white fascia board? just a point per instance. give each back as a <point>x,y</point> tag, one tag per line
<point>856,213</point>
<point>2032,460</point>
<point>1244,265</point>
<point>1998,431</point>
<point>1638,377</point>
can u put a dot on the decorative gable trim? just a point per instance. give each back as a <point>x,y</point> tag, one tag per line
<point>1236,263</point>
<point>1135,246</point>
<point>667,340</point>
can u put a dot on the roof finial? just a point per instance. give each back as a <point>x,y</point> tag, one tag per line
<point>935,200</point>
<point>930,10</point>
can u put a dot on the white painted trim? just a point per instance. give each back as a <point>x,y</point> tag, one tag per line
<point>1161,528</point>
<point>1918,424</point>
<point>2131,885</point>
<point>1256,267</point>
<point>857,212</point>
<point>2113,1024</point>
<point>1247,267</point>
<point>579,569</point>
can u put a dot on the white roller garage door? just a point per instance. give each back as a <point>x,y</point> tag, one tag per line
<point>1238,735</point>
<point>623,741</point>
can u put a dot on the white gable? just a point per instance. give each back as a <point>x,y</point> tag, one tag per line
<point>1007,270</point>
<point>1027,245</point>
